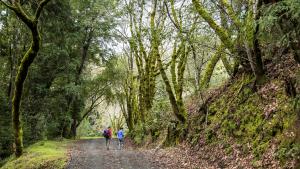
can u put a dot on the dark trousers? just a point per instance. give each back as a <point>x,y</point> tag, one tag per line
<point>107,141</point>
<point>121,143</point>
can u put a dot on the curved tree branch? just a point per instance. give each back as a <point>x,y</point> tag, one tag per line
<point>40,8</point>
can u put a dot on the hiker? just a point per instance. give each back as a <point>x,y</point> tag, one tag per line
<point>107,133</point>
<point>120,135</point>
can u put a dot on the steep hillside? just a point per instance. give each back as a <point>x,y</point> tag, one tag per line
<point>240,125</point>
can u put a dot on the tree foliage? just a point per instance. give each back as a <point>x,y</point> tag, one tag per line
<point>146,59</point>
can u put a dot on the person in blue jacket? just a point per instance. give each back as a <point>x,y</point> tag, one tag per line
<point>120,135</point>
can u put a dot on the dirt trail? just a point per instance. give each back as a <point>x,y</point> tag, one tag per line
<point>92,154</point>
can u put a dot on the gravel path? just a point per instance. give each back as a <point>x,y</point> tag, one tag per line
<point>92,154</point>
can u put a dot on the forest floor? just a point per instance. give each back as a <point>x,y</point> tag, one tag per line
<point>92,154</point>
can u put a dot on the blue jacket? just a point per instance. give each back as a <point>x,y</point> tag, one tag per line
<point>120,134</point>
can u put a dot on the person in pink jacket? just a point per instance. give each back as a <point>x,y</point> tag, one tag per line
<point>107,133</point>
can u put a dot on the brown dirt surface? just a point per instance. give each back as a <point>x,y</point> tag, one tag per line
<point>92,154</point>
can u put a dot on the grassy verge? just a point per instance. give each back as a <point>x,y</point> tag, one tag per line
<point>42,155</point>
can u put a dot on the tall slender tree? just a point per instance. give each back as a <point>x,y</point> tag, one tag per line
<point>32,23</point>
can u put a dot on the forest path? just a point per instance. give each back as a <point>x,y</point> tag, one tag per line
<point>92,154</point>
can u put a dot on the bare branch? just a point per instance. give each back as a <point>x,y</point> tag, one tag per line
<point>169,15</point>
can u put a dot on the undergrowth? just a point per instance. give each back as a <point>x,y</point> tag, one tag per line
<point>256,119</point>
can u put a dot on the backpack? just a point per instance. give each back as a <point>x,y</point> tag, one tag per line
<point>106,133</point>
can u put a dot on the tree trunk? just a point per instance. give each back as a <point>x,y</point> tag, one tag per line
<point>252,46</point>
<point>197,67</point>
<point>20,78</point>
<point>171,95</point>
<point>226,64</point>
<point>75,113</point>
<point>221,32</point>
<point>130,104</point>
<point>26,61</point>
<point>74,128</point>
<point>210,68</point>
<point>130,95</point>
<point>224,23</point>
<point>259,69</point>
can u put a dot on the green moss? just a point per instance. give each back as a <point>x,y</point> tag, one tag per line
<point>228,150</point>
<point>221,32</point>
<point>210,135</point>
<point>289,148</point>
<point>273,126</point>
<point>228,127</point>
<point>194,139</point>
<point>42,155</point>
<point>259,149</point>
<point>240,114</point>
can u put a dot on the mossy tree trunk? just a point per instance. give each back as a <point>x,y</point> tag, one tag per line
<point>209,69</point>
<point>174,87</point>
<point>230,13</point>
<point>219,54</point>
<point>145,61</point>
<point>32,23</point>
<point>177,104</point>
<point>250,44</point>
<point>224,23</point>
<point>222,32</point>
<point>129,117</point>
<point>130,91</point>
<point>131,102</point>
